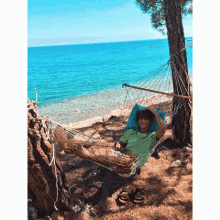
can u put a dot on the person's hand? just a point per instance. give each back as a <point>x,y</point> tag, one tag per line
<point>151,108</point>
<point>117,146</point>
<point>131,155</point>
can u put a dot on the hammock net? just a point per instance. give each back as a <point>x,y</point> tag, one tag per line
<point>116,104</point>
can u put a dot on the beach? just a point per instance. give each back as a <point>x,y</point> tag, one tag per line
<point>71,94</point>
<point>80,73</point>
<point>167,180</point>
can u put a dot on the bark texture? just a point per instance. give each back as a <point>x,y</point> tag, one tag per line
<point>181,122</point>
<point>42,181</point>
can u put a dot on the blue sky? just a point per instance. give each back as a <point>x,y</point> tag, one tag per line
<point>72,22</point>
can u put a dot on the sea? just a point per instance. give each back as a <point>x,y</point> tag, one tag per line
<point>67,80</point>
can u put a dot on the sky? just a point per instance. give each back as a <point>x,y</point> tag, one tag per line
<point>78,22</point>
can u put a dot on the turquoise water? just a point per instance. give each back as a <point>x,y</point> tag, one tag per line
<point>78,72</point>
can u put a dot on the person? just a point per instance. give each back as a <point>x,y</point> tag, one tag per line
<point>140,142</point>
<point>133,144</point>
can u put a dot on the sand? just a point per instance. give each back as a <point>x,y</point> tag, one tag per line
<point>168,189</point>
<point>95,189</point>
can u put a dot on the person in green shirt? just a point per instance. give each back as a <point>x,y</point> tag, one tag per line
<point>140,144</point>
<point>134,145</point>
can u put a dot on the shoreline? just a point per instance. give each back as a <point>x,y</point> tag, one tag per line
<point>123,113</point>
<point>100,107</point>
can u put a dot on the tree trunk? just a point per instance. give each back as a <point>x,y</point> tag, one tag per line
<point>44,180</point>
<point>182,128</point>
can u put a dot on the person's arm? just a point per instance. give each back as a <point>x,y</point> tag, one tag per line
<point>161,130</point>
<point>121,147</point>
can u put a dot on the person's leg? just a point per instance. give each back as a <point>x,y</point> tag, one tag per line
<point>121,164</point>
<point>79,151</point>
<point>103,156</point>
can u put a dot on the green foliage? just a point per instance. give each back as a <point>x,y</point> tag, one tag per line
<point>156,9</point>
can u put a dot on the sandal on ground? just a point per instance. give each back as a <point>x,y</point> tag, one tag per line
<point>139,196</point>
<point>125,195</point>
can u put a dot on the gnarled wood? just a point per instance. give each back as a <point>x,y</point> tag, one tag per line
<point>44,181</point>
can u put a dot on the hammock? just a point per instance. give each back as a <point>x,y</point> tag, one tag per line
<point>156,88</point>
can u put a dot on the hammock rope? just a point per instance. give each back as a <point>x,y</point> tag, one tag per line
<point>155,88</point>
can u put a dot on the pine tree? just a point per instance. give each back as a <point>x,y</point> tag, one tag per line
<point>169,13</point>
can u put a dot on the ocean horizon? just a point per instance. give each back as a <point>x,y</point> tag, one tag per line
<point>76,74</point>
<point>95,43</point>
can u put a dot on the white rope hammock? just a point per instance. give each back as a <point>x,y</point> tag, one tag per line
<point>155,88</point>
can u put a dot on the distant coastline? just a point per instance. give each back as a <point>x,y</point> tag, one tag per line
<point>68,44</point>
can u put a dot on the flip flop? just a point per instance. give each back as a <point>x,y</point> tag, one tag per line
<point>139,196</point>
<point>125,195</point>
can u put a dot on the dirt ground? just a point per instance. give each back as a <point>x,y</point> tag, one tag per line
<point>167,180</point>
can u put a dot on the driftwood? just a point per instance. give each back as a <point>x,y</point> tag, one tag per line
<point>47,184</point>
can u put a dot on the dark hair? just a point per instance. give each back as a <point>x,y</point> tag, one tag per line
<point>145,114</point>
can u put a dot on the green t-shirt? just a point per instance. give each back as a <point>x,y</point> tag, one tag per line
<point>140,144</point>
